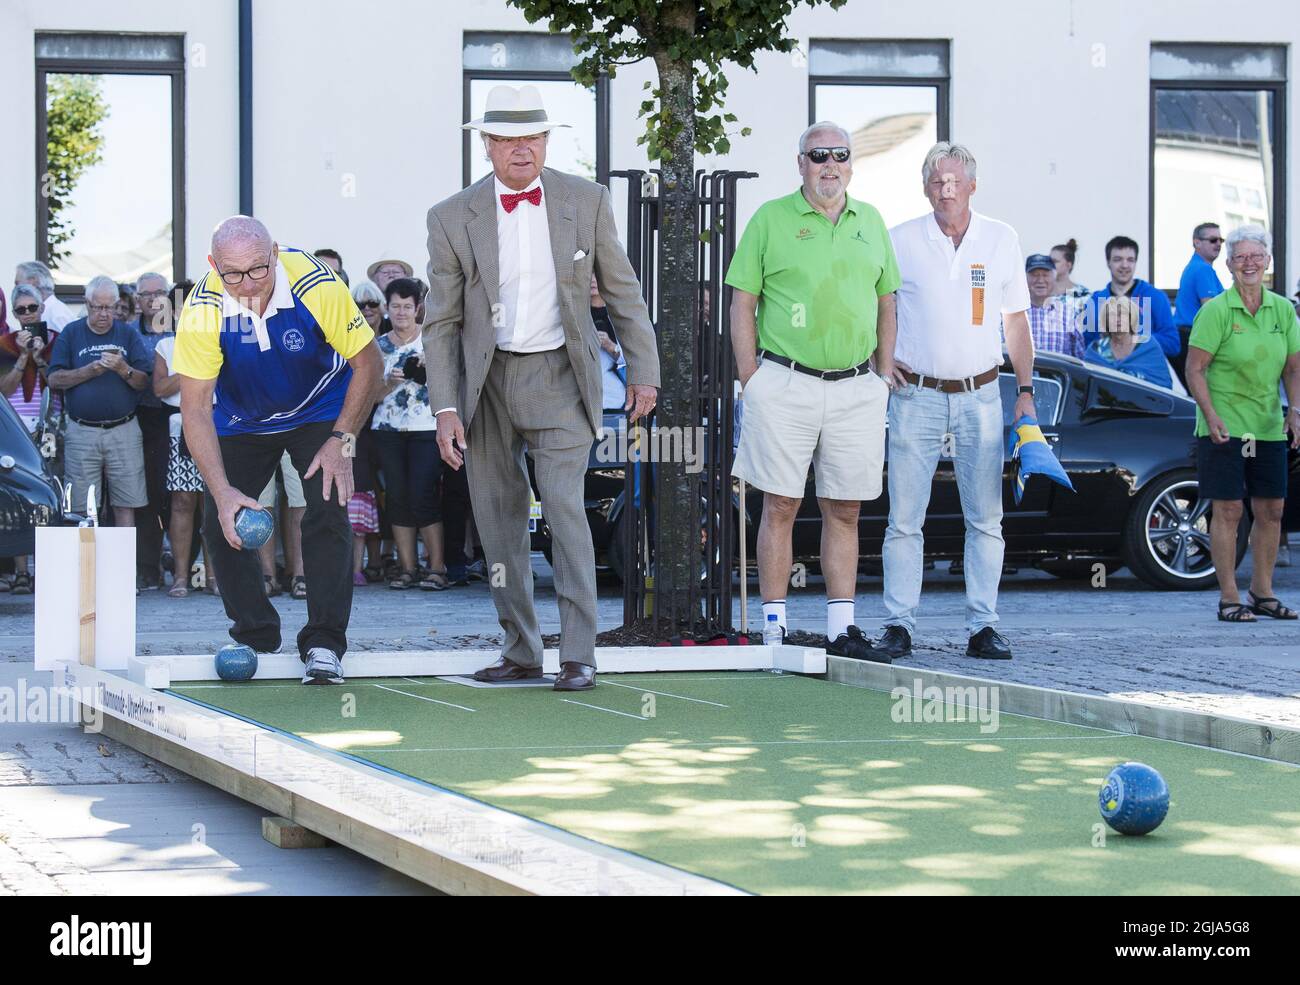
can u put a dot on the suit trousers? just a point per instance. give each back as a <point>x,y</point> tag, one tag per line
<point>531,403</point>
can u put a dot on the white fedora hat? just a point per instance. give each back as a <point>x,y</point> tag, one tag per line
<point>513,112</point>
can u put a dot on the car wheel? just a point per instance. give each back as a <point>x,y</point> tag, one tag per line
<point>1167,534</point>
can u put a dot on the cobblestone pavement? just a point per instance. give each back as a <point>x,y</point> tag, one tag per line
<point>65,794</point>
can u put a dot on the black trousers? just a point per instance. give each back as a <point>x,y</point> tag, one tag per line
<point>152,520</point>
<point>455,516</point>
<point>250,461</point>
<point>411,466</point>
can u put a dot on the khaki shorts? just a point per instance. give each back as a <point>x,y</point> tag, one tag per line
<point>793,420</point>
<point>105,456</point>
<point>292,487</point>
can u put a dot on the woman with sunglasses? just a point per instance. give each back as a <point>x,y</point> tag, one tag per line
<point>23,369</point>
<point>370,300</point>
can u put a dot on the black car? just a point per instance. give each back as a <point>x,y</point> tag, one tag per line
<point>29,494</point>
<point>1127,445</point>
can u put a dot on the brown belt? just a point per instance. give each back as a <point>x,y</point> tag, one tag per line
<point>970,383</point>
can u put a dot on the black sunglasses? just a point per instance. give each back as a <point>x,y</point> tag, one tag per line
<point>368,304</point>
<point>818,155</point>
<point>26,309</point>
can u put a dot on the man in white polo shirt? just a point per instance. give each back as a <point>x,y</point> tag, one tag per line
<point>963,289</point>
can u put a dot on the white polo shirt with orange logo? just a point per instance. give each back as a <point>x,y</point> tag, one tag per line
<point>952,299</point>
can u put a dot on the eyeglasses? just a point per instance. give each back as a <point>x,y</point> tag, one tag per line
<point>151,295</point>
<point>100,309</point>
<point>232,277</point>
<point>1212,240</point>
<point>1256,258</point>
<point>368,304</point>
<point>26,309</point>
<point>818,155</point>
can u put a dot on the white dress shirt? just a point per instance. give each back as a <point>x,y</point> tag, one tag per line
<point>951,299</point>
<point>529,296</point>
<point>55,313</point>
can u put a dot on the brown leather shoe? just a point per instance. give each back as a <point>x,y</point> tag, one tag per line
<point>574,676</point>
<point>506,670</point>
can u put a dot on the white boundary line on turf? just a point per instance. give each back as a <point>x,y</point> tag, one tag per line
<point>584,704</point>
<point>360,750</point>
<point>421,697</point>
<point>665,694</point>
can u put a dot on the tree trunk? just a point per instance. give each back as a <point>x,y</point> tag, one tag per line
<point>677,494</point>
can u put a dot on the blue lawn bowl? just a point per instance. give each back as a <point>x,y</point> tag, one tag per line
<point>236,662</point>
<point>254,527</point>
<point>1135,799</point>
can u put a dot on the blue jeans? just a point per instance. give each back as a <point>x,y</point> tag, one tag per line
<point>919,420</point>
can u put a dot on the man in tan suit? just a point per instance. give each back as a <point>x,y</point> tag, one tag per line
<point>514,364</point>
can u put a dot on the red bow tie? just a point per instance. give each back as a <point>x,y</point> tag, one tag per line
<point>510,200</point>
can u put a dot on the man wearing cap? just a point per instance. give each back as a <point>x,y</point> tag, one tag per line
<point>514,364</point>
<point>963,292</point>
<point>1053,322</point>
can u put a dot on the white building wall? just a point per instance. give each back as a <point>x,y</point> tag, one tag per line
<point>358,109</point>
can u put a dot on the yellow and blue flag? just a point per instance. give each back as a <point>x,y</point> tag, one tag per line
<point>1032,455</point>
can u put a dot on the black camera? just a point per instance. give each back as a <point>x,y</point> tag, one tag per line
<point>413,370</point>
<point>39,330</point>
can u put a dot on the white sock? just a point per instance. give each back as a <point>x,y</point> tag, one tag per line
<point>839,616</point>
<point>777,607</point>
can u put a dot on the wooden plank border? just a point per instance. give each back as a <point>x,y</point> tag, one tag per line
<point>453,843</point>
<point>1115,714</point>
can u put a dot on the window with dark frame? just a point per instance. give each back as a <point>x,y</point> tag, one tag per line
<point>1218,151</point>
<point>110,189</point>
<point>893,97</point>
<point>492,58</point>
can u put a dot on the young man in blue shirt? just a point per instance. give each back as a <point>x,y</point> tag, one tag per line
<point>1157,317</point>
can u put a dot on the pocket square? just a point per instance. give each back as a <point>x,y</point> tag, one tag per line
<point>579,255</point>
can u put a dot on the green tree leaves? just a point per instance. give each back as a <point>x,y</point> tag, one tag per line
<point>75,108</point>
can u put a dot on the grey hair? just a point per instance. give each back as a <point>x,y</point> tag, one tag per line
<point>943,149</point>
<point>240,229</point>
<point>824,125</point>
<point>367,290</point>
<point>1249,233</point>
<point>101,283</point>
<point>34,270</point>
<point>150,274</point>
<point>25,290</point>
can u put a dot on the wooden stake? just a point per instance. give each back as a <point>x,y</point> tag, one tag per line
<point>86,597</point>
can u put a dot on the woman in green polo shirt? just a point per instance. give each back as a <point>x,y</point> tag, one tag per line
<point>1242,343</point>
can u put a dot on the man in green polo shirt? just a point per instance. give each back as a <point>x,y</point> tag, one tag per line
<point>1245,342</point>
<point>813,283</point>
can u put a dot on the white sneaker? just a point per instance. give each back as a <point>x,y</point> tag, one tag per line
<point>323,667</point>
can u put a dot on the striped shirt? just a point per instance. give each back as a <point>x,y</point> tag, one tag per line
<point>1055,327</point>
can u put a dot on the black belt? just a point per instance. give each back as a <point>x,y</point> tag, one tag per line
<point>531,352</point>
<point>103,424</point>
<point>829,375</point>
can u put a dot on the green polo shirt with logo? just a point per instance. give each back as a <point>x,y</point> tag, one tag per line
<point>817,283</point>
<point>1249,352</point>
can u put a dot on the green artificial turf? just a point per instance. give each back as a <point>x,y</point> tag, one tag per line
<point>783,784</point>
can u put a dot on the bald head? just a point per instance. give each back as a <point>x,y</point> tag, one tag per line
<point>244,255</point>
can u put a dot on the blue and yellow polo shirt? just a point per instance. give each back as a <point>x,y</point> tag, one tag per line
<point>280,371</point>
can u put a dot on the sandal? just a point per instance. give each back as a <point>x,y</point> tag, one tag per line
<point>372,573</point>
<point>178,591</point>
<point>403,581</point>
<point>22,585</point>
<point>299,589</point>
<point>272,586</point>
<point>1235,612</point>
<point>1269,606</point>
<point>435,581</point>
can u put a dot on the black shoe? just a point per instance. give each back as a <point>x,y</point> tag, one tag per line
<point>989,644</point>
<point>895,643</point>
<point>855,645</point>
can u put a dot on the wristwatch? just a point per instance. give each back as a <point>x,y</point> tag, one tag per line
<point>343,436</point>
<point>1029,389</point>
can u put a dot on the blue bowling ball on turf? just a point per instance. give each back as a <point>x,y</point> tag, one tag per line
<point>1135,799</point>
<point>254,527</point>
<point>236,662</point>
